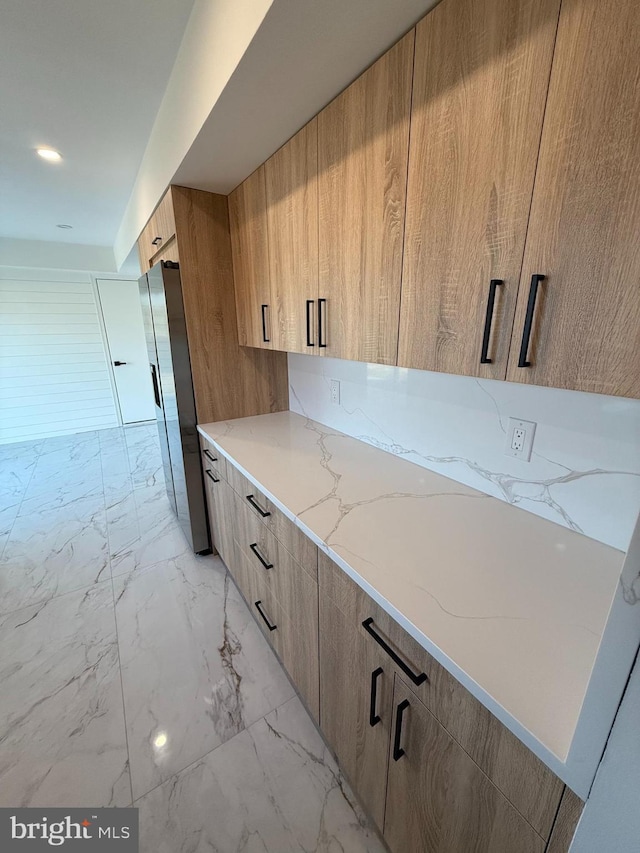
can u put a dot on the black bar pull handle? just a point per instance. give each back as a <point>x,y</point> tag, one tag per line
<point>416,679</point>
<point>321,337</point>
<point>156,391</point>
<point>156,241</point>
<point>374,718</point>
<point>493,284</point>
<point>254,548</point>
<point>253,503</point>
<point>210,475</point>
<point>210,455</point>
<point>310,343</point>
<point>265,619</point>
<point>528,320</point>
<point>119,363</point>
<point>264,324</point>
<point>398,751</point>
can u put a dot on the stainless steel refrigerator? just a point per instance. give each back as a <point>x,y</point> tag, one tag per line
<point>166,333</point>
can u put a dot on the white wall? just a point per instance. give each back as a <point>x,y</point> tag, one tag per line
<point>54,375</point>
<point>45,254</point>
<point>585,468</point>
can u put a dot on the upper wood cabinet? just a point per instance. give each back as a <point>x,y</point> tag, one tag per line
<point>585,219</point>
<point>292,219</point>
<point>249,241</point>
<point>363,141</point>
<point>480,84</point>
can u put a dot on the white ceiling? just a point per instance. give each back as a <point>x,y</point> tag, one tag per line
<point>85,77</point>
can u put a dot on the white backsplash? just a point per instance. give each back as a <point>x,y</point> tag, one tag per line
<point>584,471</point>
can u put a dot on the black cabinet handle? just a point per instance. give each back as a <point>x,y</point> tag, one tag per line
<point>156,391</point>
<point>210,475</point>
<point>254,548</point>
<point>266,621</point>
<point>118,363</point>
<point>493,284</point>
<point>417,679</point>
<point>264,324</point>
<point>253,503</point>
<point>156,241</point>
<point>310,343</point>
<point>210,455</point>
<point>528,320</point>
<point>398,751</point>
<point>374,718</point>
<point>321,338</point>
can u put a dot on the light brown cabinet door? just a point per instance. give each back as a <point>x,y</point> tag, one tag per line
<point>480,85</point>
<point>250,250</point>
<point>363,141</point>
<point>585,218</point>
<point>292,217</point>
<point>438,799</point>
<point>356,687</point>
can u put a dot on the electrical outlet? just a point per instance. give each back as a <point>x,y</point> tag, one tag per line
<point>520,439</point>
<point>334,386</point>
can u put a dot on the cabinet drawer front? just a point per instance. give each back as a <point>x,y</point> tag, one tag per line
<point>212,458</point>
<point>532,788</point>
<point>294,589</point>
<point>264,511</point>
<point>220,499</point>
<point>296,646</point>
<point>438,799</point>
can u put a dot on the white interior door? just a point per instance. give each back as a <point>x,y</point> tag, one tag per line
<point>120,302</point>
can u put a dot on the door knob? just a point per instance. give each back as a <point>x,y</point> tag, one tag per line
<point>118,363</point>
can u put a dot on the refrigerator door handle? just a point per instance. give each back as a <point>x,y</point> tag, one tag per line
<point>154,379</point>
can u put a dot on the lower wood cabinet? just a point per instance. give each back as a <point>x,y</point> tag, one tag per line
<point>438,799</point>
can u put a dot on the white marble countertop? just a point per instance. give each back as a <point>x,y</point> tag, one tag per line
<point>514,606</point>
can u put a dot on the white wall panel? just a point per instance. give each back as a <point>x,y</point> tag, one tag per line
<point>54,376</point>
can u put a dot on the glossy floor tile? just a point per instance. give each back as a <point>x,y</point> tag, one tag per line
<point>132,670</point>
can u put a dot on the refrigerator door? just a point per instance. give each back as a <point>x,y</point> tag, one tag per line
<point>147,318</point>
<point>176,388</point>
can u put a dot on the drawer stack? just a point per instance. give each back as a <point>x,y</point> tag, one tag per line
<point>273,564</point>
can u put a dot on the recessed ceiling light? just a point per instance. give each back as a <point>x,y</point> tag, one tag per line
<point>64,226</point>
<point>49,154</point>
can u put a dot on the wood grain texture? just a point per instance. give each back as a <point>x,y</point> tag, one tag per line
<point>363,142</point>
<point>229,381</point>
<point>439,800</point>
<point>532,788</point>
<point>480,85</point>
<point>291,176</point>
<point>304,551</point>
<point>295,645</point>
<point>249,241</point>
<point>565,826</point>
<point>346,667</point>
<point>585,217</point>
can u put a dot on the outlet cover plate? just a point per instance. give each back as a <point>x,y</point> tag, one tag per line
<point>520,436</point>
<point>334,385</point>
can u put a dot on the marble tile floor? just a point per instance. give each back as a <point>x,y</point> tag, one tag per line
<point>132,672</point>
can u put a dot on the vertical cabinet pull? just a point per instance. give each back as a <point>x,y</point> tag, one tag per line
<point>374,718</point>
<point>264,324</point>
<point>254,548</point>
<point>264,618</point>
<point>322,340</point>
<point>210,455</point>
<point>257,506</point>
<point>210,476</point>
<point>310,343</point>
<point>156,390</point>
<point>484,355</point>
<point>528,320</point>
<point>416,679</point>
<point>398,751</point>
